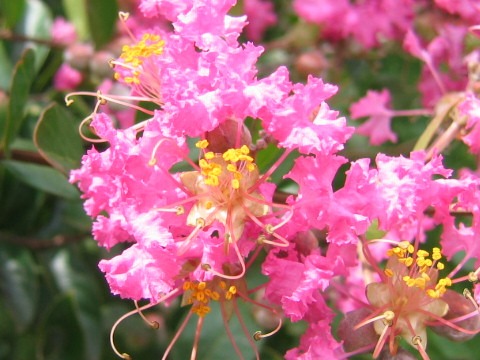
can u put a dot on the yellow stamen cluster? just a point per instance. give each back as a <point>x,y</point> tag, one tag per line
<point>423,265</point>
<point>135,55</point>
<point>212,170</point>
<point>201,293</point>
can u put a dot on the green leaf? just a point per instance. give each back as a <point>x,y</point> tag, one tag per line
<point>19,91</point>
<point>42,177</point>
<point>72,277</point>
<point>35,23</point>
<point>12,11</point>
<point>60,333</point>
<point>6,68</point>
<point>56,138</point>
<point>76,12</point>
<point>102,17</point>
<point>18,284</point>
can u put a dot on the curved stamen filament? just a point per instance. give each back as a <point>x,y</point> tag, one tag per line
<point>450,323</point>
<point>130,313</point>
<point>88,119</point>
<point>198,331</point>
<point>187,243</point>
<point>240,259</point>
<point>177,206</point>
<point>123,16</point>
<point>253,257</point>
<point>258,334</point>
<point>227,329</point>
<point>371,261</point>
<point>112,98</point>
<point>417,341</point>
<point>153,324</point>
<point>269,228</point>
<point>153,160</point>
<point>177,335</point>
<point>245,330</point>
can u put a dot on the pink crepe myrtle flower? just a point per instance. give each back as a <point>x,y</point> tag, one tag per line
<point>260,15</point>
<point>63,32</point>
<point>201,229</point>
<point>67,78</point>
<point>376,105</point>
<point>471,108</point>
<point>467,9</point>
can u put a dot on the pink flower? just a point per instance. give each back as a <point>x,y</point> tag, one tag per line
<point>471,108</point>
<point>376,105</point>
<point>260,15</point>
<point>67,78</point>
<point>63,32</point>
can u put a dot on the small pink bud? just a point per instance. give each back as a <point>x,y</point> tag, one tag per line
<point>312,62</point>
<point>356,339</point>
<point>78,55</point>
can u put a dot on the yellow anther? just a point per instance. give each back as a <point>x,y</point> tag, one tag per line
<point>390,252</point>
<point>269,229</point>
<point>203,163</point>
<point>425,276</point>
<point>449,281</point>
<point>216,171</point>
<point>200,295</point>
<point>436,250</point>
<point>208,205</point>
<point>420,261</point>
<point>411,249</point>
<point>202,285</point>
<point>223,285</point>
<point>152,162</point>
<point>428,262</point>
<point>200,222</point>
<point>406,278</point>
<point>440,266</point>
<point>397,250</point>
<point>235,183</point>
<point>231,167</point>
<point>416,340</point>
<point>202,144</point>
<point>238,175</point>
<point>116,76</point>
<point>187,285</point>
<point>432,293</point>
<point>232,289</point>
<point>180,210</point>
<point>389,272</point>
<point>410,282</point>
<point>209,155</point>
<point>228,295</point>
<point>215,295</point>
<point>472,277</point>
<point>212,180</point>
<point>422,253</point>
<point>420,283</point>
<point>251,167</point>
<point>408,261</point>
<point>245,150</point>
<point>389,316</point>
<point>436,256</point>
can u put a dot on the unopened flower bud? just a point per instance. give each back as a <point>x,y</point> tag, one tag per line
<point>312,62</point>
<point>224,136</point>
<point>79,55</point>
<point>356,339</point>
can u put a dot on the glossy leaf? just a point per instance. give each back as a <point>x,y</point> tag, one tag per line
<point>12,11</point>
<point>42,177</point>
<point>102,17</point>
<point>18,284</point>
<point>76,12</point>
<point>56,138</point>
<point>35,23</point>
<point>19,91</point>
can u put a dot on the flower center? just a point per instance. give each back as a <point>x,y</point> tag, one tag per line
<point>199,294</point>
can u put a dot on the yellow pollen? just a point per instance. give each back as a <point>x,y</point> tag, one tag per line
<point>202,144</point>
<point>245,150</point>
<point>223,285</point>
<point>208,205</point>
<point>202,285</point>
<point>209,155</point>
<point>231,167</point>
<point>436,256</point>
<point>389,272</point>
<point>422,253</point>
<point>250,167</point>
<point>235,183</point>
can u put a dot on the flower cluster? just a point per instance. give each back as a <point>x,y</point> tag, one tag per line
<point>188,195</point>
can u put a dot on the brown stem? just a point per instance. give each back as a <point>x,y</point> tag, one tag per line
<point>25,156</point>
<point>8,35</point>
<point>39,244</point>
